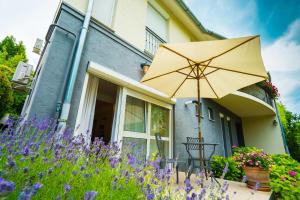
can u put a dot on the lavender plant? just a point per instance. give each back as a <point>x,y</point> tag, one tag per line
<point>34,165</point>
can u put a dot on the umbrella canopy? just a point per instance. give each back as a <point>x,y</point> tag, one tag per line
<point>211,69</point>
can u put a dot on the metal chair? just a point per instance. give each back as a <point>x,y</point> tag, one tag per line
<point>165,160</point>
<point>195,145</point>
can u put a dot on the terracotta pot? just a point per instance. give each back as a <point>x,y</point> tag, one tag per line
<point>258,175</point>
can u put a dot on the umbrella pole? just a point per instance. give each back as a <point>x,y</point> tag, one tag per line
<point>199,120</point>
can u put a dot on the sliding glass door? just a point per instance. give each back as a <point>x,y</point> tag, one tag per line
<point>143,118</point>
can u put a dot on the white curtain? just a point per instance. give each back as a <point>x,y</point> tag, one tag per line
<point>86,111</point>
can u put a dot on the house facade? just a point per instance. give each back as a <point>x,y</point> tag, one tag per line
<point>108,100</point>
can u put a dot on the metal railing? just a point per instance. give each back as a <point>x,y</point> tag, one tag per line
<point>152,42</point>
<point>259,93</point>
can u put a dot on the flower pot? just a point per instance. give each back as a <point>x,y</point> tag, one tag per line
<point>257,175</point>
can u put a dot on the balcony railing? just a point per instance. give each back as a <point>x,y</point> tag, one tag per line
<point>152,42</point>
<point>259,93</point>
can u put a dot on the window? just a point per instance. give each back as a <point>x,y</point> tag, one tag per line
<point>104,10</point>
<point>143,119</point>
<point>210,113</point>
<point>157,23</point>
<point>135,115</point>
<point>156,30</point>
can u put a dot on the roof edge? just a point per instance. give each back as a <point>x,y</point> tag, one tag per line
<point>196,21</point>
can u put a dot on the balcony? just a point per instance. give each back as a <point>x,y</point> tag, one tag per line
<point>259,93</point>
<point>152,42</point>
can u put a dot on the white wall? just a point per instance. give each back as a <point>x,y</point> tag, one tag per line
<point>261,133</point>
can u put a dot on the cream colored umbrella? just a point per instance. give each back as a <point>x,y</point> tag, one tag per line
<point>208,69</point>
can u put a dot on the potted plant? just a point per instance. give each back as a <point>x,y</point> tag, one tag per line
<point>256,165</point>
<point>271,89</point>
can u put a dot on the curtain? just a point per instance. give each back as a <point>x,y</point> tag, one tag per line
<point>135,115</point>
<point>87,108</point>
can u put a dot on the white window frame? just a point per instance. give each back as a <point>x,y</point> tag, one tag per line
<point>147,135</point>
<point>210,113</point>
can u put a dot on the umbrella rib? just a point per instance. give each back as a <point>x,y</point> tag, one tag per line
<point>210,72</point>
<point>244,42</point>
<point>231,70</point>
<point>182,82</point>
<point>166,73</point>
<point>179,54</point>
<point>191,65</point>
<point>189,76</point>
<point>208,81</point>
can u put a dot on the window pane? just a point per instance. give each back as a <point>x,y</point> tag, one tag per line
<point>135,146</point>
<point>135,115</point>
<point>159,120</point>
<point>165,148</point>
<point>157,23</point>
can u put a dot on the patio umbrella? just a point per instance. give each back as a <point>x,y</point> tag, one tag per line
<point>206,69</point>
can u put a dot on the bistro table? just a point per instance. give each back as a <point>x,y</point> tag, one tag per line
<point>194,145</point>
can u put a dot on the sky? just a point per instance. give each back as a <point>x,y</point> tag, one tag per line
<point>276,21</point>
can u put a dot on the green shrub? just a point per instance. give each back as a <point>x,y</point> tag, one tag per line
<point>285,177</point>
<point>6,98</point>
<point>219,164</point>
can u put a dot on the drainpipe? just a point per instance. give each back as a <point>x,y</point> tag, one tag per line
<point>282,130</point>
<point>74,69</point>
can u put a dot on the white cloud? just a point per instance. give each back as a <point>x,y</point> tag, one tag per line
<point>26,21</point>
<point>282,60</point>
<point>284,53</point>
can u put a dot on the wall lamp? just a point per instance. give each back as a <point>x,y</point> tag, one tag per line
<point>190,102</point>
<point>275,123</point>
<point>145,67</point>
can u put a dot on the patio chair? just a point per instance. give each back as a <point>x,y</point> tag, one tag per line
<point>165,160</point>
<point>195,145</point>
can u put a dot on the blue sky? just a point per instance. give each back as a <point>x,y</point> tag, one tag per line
<point>278,24</point>
<point>277,21</point>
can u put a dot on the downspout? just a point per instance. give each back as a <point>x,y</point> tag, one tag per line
<point>282,130</point>
<point>74,68</point>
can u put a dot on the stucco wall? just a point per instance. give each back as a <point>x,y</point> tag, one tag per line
<point>129,21</point>
<point>261,133</point>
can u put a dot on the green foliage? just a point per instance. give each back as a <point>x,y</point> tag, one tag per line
<point>243,150</point>
<point>6,98</point>
<point>285,177</point>
<point>11,52</point>
<point>291,125</point>
<point>219,164</point>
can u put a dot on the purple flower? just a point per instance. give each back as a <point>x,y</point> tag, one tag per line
<point>113,162</point>
<point>90,195</point>
<point>155,163</point>
<point>26,150</point>
<point>188,185</point>
<point>131,159</point>
<point>6,186</point>
<point>150,196</point>
<point>67,187</point>
<point>37,186</point>
<point>11,163</point>
<point>292,173</point>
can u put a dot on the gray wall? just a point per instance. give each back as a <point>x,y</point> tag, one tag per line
<point>104,47</point>
<point>186,126</point>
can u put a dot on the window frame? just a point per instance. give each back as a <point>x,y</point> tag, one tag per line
<point>210,113</point>
<point>148,101</point>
